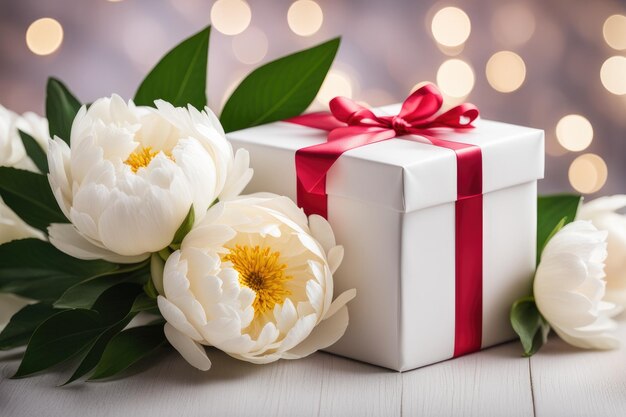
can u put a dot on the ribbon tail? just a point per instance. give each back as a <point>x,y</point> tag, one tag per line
<point>319,120</point>
<point>314,162</point>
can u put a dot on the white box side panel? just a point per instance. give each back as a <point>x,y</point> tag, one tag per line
<point>371,238</point>
<point>428,283</point>
<point>509,242</point>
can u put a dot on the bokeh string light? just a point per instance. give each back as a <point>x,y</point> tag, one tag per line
<point>44,36</point>
<point>588,173</point>
<point>574,132</point>
<point>455,78</point>
<point>305,17</point>
<point>451,27</point>
<point>613,75</point>
<point>231,17</point>
<point>614,31</point>
<point>505,71</point>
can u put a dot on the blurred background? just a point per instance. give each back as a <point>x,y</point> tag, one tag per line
<point>558,65</point>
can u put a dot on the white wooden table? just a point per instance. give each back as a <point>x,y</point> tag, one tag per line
<point>559,381</point>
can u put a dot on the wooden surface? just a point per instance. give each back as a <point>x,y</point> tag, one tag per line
<point>559,381</point>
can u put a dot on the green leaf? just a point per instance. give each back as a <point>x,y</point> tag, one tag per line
<point>116,307</point>
<point>23,324</point>
<point>116,302</point>
<point>180,77</point>
<point>58,339</point>
<point>127,348</point>
<point>35,269</point>
<point>94,352</point>
<point>529,325</point>
<point>35,152</point>
<point>29,195</point>
<point>144,302</point>
<point>85,293</point>
<point>184,228</point>
<point>76,332</point>
<point>280,89</point>
<point>61,109</point>
<point>551,210</point>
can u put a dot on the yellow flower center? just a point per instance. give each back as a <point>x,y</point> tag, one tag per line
<point>260,270</point>
<point>141,158</point>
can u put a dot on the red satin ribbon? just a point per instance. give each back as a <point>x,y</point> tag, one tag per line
<point>351,125</point>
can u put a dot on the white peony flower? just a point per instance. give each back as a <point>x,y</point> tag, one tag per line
<point>603,214</point>
<point>569,287</point>
<point>131,174</point>
<point>13,154</point>
<point>254,279</point>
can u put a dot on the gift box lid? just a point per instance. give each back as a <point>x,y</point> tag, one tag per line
<point>404,173</point>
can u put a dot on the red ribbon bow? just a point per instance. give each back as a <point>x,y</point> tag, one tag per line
<point>351,125</point>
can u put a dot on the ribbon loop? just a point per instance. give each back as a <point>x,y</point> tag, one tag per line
<point>421,105</point>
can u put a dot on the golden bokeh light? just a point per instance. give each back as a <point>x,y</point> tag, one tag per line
<point>250,47</point>
<point>451,26</point>
<point>505,71</point>
<point>613,74</point>
<point>614,31</point>
<point>231,17</point>
<point>305,17</point>
<point>588,173</point>
<point>455,78</point>
<point>574,132</point>
<point>44,36</point>
<point>513,24</point>
<point>337,83</point>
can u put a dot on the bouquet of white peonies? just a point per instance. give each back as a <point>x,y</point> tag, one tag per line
<point>120,209</point>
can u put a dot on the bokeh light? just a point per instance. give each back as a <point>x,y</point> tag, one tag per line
<point>588,173</point>
<point>305,17</point>
<point>451,26</point>
<point>505,71</point>
<point>230,17</point>
<point>455,78</point>
<point>250,46</point>
<point>574,132</point>
<point>337,83</point>
<point>513,24</point>
<point>614,31</point>
<point>613,74</point>
<point>44,36</point>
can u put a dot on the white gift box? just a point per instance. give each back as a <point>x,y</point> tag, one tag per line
<point>392,207</point>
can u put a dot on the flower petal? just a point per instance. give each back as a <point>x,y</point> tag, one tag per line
<point>324,335</point>
<point>191,351</point>
<point>174,316</point>
<point>339,302</point>
<point>67,239</point>
<point>322,232</point>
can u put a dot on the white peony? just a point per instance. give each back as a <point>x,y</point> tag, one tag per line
<point>254,279</point>
<point>13,154</point>
<point>603,214</point>
<point>569,287</point>
<point>131,174</point>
